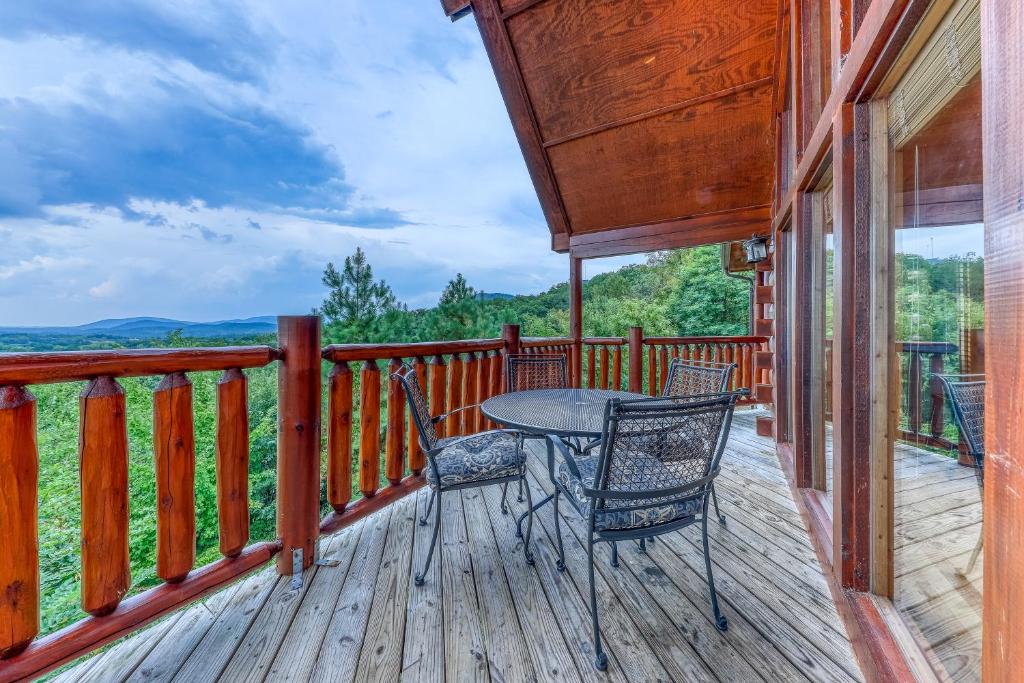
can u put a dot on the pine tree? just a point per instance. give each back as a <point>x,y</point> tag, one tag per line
<point>457,291</point>
<point>354,299</point>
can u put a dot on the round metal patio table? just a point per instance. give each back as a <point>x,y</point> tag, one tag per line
<point>565,413</point>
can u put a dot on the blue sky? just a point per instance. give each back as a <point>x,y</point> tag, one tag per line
<point>205,159</point>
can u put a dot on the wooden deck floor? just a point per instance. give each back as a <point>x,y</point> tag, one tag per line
<point>484,614</point>
<point>938,522</point>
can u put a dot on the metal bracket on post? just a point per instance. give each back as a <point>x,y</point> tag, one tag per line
<point>296,568</point>
<point>320,561</point>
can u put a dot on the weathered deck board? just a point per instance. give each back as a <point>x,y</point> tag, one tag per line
<point>485,613</point>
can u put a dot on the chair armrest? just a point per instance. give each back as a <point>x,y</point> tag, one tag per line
<point>444,416</point>
<point>470,437</point>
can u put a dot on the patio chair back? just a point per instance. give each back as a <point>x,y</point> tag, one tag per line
<point>417,406</point>
<point>694,378</point>
<point>658,455</point>
<point>967,398</point>
<point>525,372</point>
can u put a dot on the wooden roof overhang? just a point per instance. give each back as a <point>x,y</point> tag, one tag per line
<point>645,124</point>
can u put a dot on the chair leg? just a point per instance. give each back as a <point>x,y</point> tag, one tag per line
<point>504,492</point>
<point>520,496</point>
<point>714,498</point>
<point>529,524</point>
<point>721,623</point>
<point>560,564</point>
<point>974,554</point>
<point>423,519</point>
<point>615,554</point>
<point>643,545</point>
<point>433,540</point>
<point>600,658</point>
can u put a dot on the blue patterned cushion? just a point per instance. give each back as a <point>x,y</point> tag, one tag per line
<point>488,455</point>
<point>609,518</point>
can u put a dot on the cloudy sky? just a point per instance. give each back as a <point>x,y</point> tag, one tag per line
<point>204,159</point>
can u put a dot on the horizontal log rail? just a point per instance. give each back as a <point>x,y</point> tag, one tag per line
<point>337,353</point>
<point>69,366</point>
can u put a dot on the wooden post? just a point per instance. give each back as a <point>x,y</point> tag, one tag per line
<point>636,359</point>
<point>103,473</point>
<point>510,338</point>
<point>1002,57</point>
<point>339,436</point>
<point>19,491</point>
<point>232,462</point>
<point>174,455</point>
<point>617,368</point>
<point>576,320</point>
<point>394,457</point>
<point>298,439</point>
<point>369,428</point>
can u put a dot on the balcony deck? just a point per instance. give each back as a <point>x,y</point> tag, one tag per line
<point>483,614</point>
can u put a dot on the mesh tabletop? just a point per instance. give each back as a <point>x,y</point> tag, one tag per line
<point>565,412</point>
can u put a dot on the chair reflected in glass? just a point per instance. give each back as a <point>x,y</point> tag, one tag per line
<point>967,398</point>
<point>697,378</point>
<point>654,473</point>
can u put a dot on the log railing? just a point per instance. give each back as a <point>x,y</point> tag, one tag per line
<point>372,448</point>
<point>739,350</point>
<point>103,471</point>
<point>923,361</point>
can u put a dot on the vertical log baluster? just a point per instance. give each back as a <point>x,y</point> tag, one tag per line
<point>718,353</point>
<point>663,362</point>
<point>103,476</point>
<point>232,462</point>
<point>471,376</point>
<point>728,359</point>
<point>485,388</point>
<point>652,372</point>
<point>497,375</point>
<point>914,392</point>
<point>747,367</point>
<point>339,436</point>
<point>416,456</point>
<point>617,368</point>
<point>604,367</point>
<point>455,372</point>
<point>19,486</point>
<point>174,454</point>
<point>394,451</point>
<point>591,367</point>
<point>438,392</point>
<point>685,355</point>
<point>369,428</point>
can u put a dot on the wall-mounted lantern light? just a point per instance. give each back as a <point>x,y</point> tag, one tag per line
<point>756,249</point>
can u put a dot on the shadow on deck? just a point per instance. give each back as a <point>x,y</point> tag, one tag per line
<point>484,614</point>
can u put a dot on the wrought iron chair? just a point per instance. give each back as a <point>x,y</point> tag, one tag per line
<point>967,398</point>
<point>526,372</point>
<point>695,378</point>
<point>462,462</point>
<point>653,475</point>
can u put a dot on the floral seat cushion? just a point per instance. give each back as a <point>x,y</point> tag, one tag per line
<point>488,455</point>
<point>616,514</point>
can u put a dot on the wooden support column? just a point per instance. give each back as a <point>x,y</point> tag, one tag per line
<point>1002,72</point>
<point>510,346</point>
<point>576,319</point>
<point>852,346</point>
<point>19,497</point>
<point>804,348</point>
<point>298,439</point>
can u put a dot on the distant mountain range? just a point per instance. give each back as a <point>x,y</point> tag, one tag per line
<point>150,328</point>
